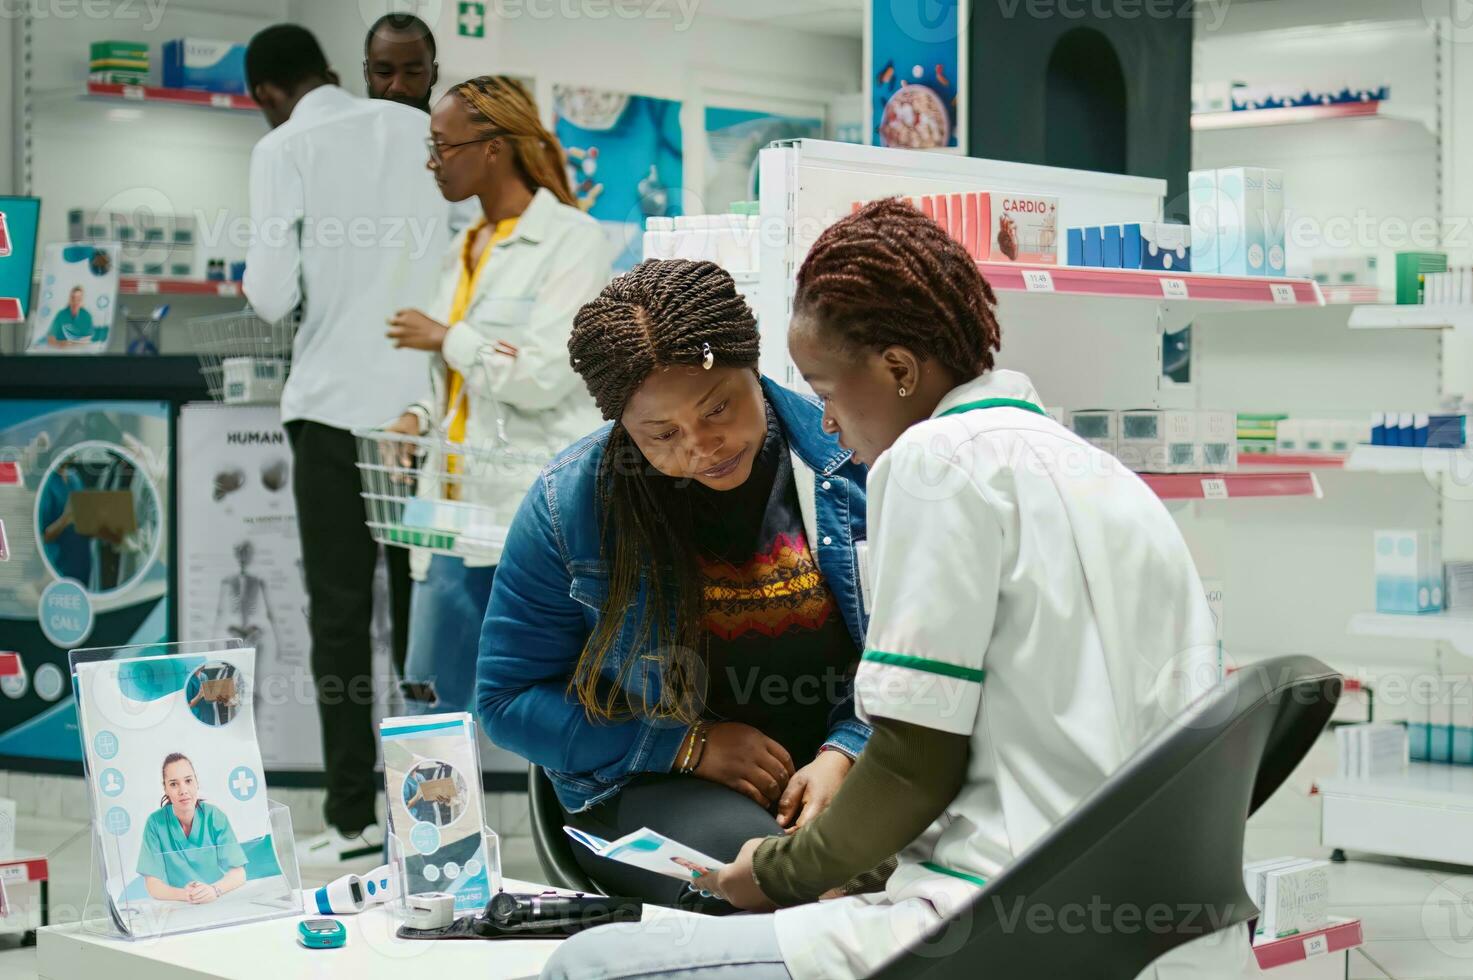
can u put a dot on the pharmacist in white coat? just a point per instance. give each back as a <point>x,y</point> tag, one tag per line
<point>500,377</point>
<point>1035,618</point>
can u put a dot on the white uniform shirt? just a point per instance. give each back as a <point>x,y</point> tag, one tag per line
<point>1027,591</point>
<point>349,223</point>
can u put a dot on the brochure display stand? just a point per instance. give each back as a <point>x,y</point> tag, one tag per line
<point>184,835</point>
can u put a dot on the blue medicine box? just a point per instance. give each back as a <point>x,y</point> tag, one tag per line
<point>1110,258</point>
<point>1076,246</point>
<point>1094,247</point>
<point>210,66</point>
<point>1447,431</point>
<point>1131,244</point>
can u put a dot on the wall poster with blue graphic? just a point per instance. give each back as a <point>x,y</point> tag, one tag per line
<point>85,499</point>
<point>178,794</point>
<point>626,160</point>
<point>916,73</point>
<point>734,139</point>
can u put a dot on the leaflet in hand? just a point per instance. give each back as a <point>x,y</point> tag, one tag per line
<point>651,851</point>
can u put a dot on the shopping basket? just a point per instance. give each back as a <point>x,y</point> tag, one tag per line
<point>427,492</point>
<point>244,359</point>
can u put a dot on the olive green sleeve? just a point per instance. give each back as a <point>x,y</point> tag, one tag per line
<point>903,780</point>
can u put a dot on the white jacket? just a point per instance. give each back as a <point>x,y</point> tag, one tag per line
<point>511,347</point>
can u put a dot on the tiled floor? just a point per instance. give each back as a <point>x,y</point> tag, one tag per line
<point>1418,918</point>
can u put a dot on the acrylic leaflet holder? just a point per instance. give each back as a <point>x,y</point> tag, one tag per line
<point>184,836</point>
<point>425,877</point>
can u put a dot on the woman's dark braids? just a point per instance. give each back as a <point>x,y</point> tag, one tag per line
<point>659,313</point>
<point>888,275</point>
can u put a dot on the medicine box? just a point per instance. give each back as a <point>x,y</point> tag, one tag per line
<point>1275,220</point>
<point>1408,569</point>
<point>1159,440</point>
<point>1202,200</point>
<point>1241,234</point>
<point>1296,899</point>
<point>1373,750</point>
<point>1217,437</point>
<point>1254,881</point>
<point>1022,228</point>
<point>1098,427</point>
<point>1076,247</point>
<point>1132,243</point>
<point>1410,268</point>
<point>196,63</point>
<point>1457,585</point>
<point>1166,247</point>
<point>1111,254</point>
<point>247,380</point>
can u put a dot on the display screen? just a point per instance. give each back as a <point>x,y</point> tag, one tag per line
<point>19,218</point>
<point>323,927</point>
<point>1092,426</point>
<point>1141,427</point>
<point>357,891</point>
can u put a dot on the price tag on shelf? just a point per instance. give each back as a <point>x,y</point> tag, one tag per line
<point>1038,280</point>
<point>1174,288</point>
<point>146,287</point>
<point>134,92</point>
<point>1283,293</point>
<point>1316,945</point>
<point>1214,490</point>
<point>220,100</point>
<point>229,289</point>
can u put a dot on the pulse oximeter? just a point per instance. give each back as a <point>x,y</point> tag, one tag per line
<point>321,933</point>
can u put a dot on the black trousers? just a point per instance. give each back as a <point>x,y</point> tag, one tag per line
<point>696,812</point>
<point>339,557</point>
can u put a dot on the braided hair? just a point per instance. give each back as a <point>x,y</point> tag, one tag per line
<point>500,104</point>
<point>659,314</point>
<point>887,275</point>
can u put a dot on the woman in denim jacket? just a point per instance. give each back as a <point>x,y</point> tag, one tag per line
<point>677,617</point>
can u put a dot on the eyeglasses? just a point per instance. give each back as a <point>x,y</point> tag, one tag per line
<point>437,149</point>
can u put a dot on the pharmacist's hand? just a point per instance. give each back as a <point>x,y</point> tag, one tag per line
<point>740,757</point>
<point>738,885</point>
<point>812,788</point>
<point>414,330</point>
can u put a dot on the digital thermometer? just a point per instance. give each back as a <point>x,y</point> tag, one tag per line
<point>354,893</point>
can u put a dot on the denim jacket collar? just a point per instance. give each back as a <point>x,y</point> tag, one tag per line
<point>818,451</point>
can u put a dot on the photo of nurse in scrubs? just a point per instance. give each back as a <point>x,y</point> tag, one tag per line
<point>189,851</point>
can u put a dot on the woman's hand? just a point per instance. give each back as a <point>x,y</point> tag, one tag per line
<point>58,527</point>
<point>199,893</point>
<point>738,885</point>
<point>402,453</point>
<point>412,329</point>
<point>813,788</point>
<point>740,757</point>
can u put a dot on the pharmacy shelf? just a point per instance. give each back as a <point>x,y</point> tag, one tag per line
<point>1298,115</point>
<point>1184,287</point>
<point>170,377</point>
<point>1404,459</point>
<point>1338,936</point>
<point>1351,295</point>
<point>1290,461</point>
<point>1422,813</point>
<point>1454,628</point>
<point>1410,317</point>
<point>164,286</point>
<point>173,96</point>
<point>1231,486</point>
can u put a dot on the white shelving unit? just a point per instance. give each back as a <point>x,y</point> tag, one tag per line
<point>1454,628</point>
<point>1432,463</point>
<point>1410,317</point>
<point>1425,813</point>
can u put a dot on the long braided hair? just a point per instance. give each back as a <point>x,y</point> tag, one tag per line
<point>659,314</point>
<point>501,104</point>
<point>888,275</point>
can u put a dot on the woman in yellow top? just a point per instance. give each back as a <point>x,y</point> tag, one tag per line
<point>500,324</point>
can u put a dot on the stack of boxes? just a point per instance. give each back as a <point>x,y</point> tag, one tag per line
<point>1156,245</point>
<point>1412,269</point>
<point>1155,440</point>
<point>1312,437</point>
<point>1258,433</point>
<point>1238,221</point>
<point>118,63</point>
<point>1292,895</point>
<point>152,244</point>
<point>1431,430</point>
<point>210,66</point>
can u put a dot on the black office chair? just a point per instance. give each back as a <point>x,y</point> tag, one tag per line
<point>554,846</point>
<point>1165,831</point>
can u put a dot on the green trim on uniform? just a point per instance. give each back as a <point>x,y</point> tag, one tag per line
<point>943,870</point>
<point>921,663</point>
<point>995,403</point>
